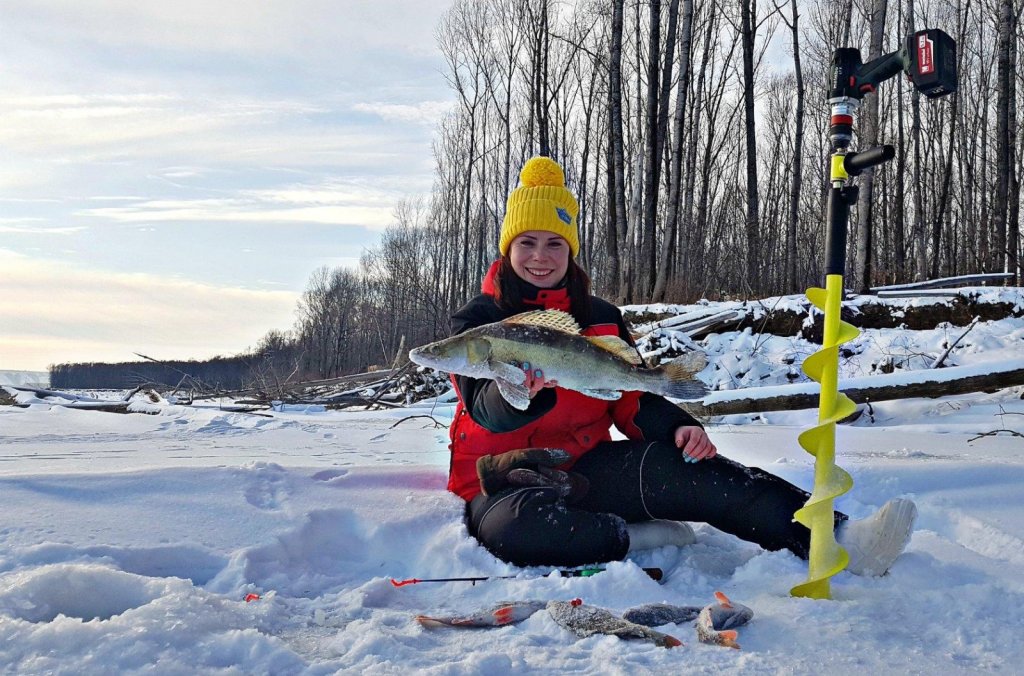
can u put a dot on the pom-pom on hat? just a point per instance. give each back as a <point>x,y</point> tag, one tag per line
<point>541,202</point>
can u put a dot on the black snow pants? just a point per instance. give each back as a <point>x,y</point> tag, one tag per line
<point>633,481</point>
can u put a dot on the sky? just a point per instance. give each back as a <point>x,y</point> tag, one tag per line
<point>172,173</point>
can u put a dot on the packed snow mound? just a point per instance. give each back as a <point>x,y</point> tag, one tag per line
<point>85,592</point>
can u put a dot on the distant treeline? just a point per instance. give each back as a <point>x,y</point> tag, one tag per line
<point>223,373</point>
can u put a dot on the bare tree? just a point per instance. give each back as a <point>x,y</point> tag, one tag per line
<point>616,168</point>
<point>671,243</point>
<point>869,139</point>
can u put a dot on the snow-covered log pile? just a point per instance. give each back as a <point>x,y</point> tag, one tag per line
<point>794,315</point>
<point>752,368</point>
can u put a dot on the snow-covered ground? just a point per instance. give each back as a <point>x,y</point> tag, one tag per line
<point>129,543</point>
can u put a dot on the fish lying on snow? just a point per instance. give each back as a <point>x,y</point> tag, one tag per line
<point>584,621</point>
<point>716,622</point>
<point>550,340</point>
<point>580,619</point>
<point>499,615</point>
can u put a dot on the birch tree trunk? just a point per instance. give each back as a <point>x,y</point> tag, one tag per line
<point>617,183</point>
<point>644,281</point>
<point>868,139</point>
<point>920,242</point>
<point>748,17</point>
<point>1000,206</point>
<point>677,152</point>
<point>789,276</point>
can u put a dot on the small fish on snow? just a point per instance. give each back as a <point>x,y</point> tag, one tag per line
<point>499,615</point>
<point>716,621</point>
<point>715,624</point>
<point>584,621</point>
<point>657,614</point>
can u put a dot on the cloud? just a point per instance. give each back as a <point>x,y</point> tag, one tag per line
<point>427,113</point>
<point>367,202</point>
<point>34,226</point>
<point>238,26</point>
<point>52,312</point>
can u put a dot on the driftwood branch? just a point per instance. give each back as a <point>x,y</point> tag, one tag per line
<point>39,392</point>
<point>940,360</point>
<point>995,433</point>
<point>437,423</point>
<point>338,403</point>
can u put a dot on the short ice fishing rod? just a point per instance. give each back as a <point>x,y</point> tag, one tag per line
<point>653,573</point>
<point>928,57</point>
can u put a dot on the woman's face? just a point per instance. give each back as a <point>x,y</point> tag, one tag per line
<point>540,258</point>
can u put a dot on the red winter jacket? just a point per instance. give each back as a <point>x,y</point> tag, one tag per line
<point>485,424</point>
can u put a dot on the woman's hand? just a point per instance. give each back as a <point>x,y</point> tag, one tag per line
<point>695,444</point>
<point>535,380</point>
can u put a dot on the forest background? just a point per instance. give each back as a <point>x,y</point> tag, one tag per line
<point>695,136</point>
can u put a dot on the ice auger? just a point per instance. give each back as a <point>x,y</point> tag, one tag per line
<point>929,59</point>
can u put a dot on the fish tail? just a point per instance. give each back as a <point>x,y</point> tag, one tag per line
<point>670,642</point>
<point>707,634</point>
<point>728,639</point>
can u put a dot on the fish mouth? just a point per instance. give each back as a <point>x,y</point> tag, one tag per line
<point>420,356</point>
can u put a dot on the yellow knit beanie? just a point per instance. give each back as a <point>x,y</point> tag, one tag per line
<point>541,202</point>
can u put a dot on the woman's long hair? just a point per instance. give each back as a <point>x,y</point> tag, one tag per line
<point>508,290</point>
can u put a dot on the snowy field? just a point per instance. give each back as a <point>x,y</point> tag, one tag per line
<point>129,543</point>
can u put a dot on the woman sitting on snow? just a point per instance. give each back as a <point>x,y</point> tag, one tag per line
<point>612,497</point>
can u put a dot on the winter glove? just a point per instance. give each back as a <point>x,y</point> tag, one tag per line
<point>569,485</point>
<point>529,467</point>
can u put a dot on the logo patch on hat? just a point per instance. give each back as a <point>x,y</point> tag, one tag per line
<point>564,216</point>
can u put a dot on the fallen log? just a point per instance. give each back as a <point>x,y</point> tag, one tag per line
<point>945,282</point>
<point>338,404</point>
<point>103,406</point>
<point>929,383</point>
<point>39,392</point>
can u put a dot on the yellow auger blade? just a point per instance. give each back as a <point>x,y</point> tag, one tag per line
<point>826,557</point>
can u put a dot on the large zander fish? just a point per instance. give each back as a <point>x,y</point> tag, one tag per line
<point>550,340</point>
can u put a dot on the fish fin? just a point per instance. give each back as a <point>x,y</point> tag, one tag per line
<point>606,395</point>
<point>680,376</point>
<point>687,365</point>
<point>671,641</point>
<point>723,599</point>
<point>431,622</point>
<point>506,371</point>
<point>549,319</point>
<point>504,615</point>
<point>618,347</point>
<point>515,394</point>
